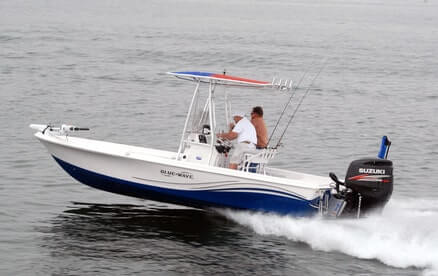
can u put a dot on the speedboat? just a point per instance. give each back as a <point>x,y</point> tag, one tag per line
<point>197,173</point>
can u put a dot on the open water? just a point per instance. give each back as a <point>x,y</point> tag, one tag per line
<point>101,64</point>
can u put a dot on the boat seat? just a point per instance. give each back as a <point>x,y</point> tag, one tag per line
<point>255,161</point>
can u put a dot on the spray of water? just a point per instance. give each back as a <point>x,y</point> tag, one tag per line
<point>404,235</point>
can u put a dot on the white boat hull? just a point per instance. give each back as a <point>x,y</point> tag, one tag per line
<point>157,175</point>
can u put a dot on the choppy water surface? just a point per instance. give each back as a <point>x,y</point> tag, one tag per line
<point>101,64</point>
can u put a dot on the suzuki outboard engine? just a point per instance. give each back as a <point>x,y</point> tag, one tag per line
<point>368,185</point>
<point>371,184</point>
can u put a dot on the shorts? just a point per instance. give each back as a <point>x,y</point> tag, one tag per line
<point>239,150</point>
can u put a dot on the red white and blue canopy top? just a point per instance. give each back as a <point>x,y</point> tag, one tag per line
<point>220,79</point>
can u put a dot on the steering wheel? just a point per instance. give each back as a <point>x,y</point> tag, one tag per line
<point>222,145</point>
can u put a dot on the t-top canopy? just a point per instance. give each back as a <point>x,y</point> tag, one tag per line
<point>219,79</point>
<point>223,79</point>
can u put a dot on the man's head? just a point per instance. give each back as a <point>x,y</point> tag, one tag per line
<point>257,111</point>
<point>238,115</point>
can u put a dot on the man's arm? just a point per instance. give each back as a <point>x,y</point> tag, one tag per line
<point>229,135</point>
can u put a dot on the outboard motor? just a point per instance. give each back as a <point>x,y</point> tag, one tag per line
<point>368,185</point>
<point>371,184</point>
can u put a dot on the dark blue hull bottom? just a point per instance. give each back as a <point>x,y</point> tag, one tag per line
<point>198,199</point>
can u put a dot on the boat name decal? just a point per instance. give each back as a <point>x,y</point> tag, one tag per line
<point>373,171</point>
<point>180,174</point>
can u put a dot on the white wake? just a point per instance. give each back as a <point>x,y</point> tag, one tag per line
<point>404,235</point>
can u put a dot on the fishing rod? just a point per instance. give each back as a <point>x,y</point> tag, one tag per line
<point>301,101</point>
<point>294,90</point>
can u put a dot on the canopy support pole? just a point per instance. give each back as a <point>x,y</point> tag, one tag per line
<point>181,143</point>
<point>211,114</point>
<point>227,111</point>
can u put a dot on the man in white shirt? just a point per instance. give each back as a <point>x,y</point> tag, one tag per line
<point>246,136</point>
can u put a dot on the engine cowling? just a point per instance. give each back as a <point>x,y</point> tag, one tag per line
<point>371,183</point>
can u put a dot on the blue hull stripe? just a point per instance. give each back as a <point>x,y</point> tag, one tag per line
<point>198,199</point>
